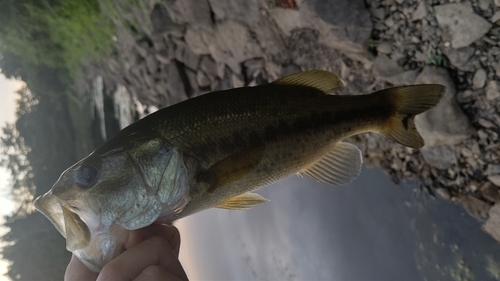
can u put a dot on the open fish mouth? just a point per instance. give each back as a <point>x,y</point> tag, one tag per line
<point>94,246</point>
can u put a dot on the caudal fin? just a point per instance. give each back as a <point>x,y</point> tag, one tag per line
<point>408,102</point>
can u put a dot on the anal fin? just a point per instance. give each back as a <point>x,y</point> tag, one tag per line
<point>242,202</point>
<point>340,166</point>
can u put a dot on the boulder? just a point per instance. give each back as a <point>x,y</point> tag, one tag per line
<point>460,58</point>
<point>460,25</point>
<point>445,124</point>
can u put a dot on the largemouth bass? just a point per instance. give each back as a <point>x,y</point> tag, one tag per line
<point>213,150</point>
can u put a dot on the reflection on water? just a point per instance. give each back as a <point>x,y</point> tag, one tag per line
<point>368,230</point>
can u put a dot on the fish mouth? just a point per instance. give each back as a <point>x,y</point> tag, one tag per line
<point>94,248</point>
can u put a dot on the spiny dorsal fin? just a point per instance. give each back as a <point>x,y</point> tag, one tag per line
<point>242,202</point>
<point>340,166</point>
<point>324,81</point>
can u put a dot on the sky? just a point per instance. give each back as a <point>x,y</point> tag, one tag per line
<point>8,89</point>
<point>307,232</point>
<point>370,229</point>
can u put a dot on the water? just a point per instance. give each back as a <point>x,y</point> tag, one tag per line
<point>370,229</point>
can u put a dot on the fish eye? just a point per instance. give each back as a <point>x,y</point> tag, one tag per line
<point>85,176</point>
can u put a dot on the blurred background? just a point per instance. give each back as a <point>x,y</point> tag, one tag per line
<point>75,72</point>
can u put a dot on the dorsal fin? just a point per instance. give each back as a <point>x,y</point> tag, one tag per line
<point>340,166</point>
<point>242,202</point>
<point>324,81</point>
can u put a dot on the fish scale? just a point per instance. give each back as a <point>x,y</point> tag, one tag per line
<point>213,150</point>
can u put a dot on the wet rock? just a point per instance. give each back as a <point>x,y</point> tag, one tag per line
<point>385,69</point>
<point>490,192</point>
<point>495,18</point>
<point>484,4</point>
<point>475,207</point>
<point>460,25</point>
<point>379,13</point>
<point>492,225</point>
<point>444,193</point>
<point>163,57</point>
<point>497,69</point>
<point>194,12</point>
<point>486,123</point>
<point>482,135</point>
<point>420,12</point>
<point>192,83</point>
<point>493,90</point>
<point>160,19</point>
<point>445,123</point>
<point>175,85</point>
<point>466,152</point>
<point>232,44</point>
<point>492,169</point>
<point>195,42</point>
<point>143,52</point>
<point>342,31</point>
<point>440,157</point>
<point>242,11</point>
<point>384,48</point>
<point>186,56</point>
<point>202,79</point>
<point>495,179</point>
<point>208,65</point>
<point>151,64</point>
<point>479,79</point>
<point>237,81</point>
<point>460,58</point>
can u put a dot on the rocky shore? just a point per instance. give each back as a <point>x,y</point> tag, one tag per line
<point>172,50</point>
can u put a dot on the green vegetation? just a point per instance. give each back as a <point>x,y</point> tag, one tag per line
<point>437,58</point>
<point>59,34</point>
<point>45,43</point>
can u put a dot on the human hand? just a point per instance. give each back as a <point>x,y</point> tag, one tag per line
<point>150,253</point>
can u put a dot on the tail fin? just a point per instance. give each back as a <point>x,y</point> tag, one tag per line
<point>409,101</point>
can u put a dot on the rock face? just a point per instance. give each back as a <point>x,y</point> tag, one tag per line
<point>179,49</point>
<point>460,24</point>
<point>338,29</point>
<point>445,124</point>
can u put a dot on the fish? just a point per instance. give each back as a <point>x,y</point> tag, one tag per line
<point>214,150</point>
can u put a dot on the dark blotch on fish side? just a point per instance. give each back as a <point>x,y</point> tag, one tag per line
<point>405,120</point>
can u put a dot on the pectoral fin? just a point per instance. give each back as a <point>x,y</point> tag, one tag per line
<point>324,81</point>
<point>340,166</point>
<point>232,168</point>
<point>242,202</point>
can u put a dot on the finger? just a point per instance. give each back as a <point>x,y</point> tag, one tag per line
<point>157,273</point>
<point>76,270</point>
<point>152,251</point>
<point>169,232</point>
<point>173,237</point>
